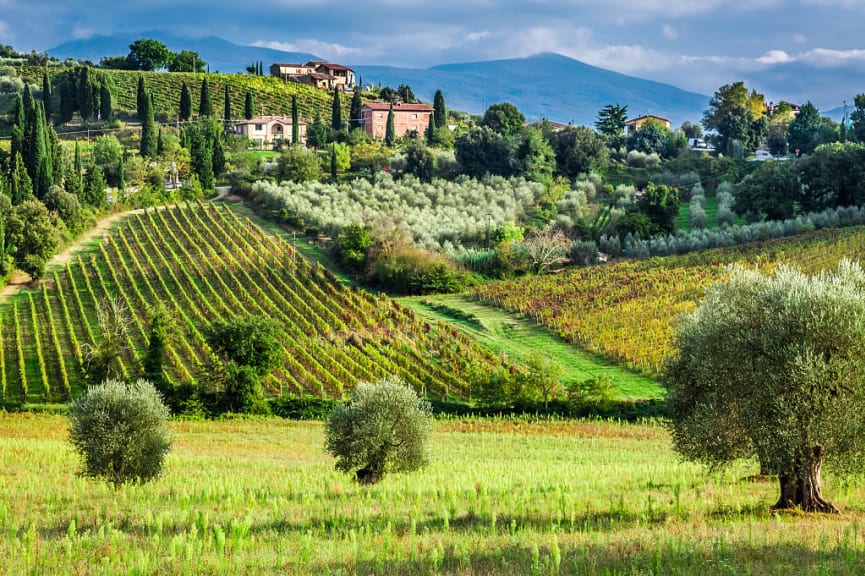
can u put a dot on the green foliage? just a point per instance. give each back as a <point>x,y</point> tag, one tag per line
<point>187,61</point>
<point>102,359</point>
<point>660,203</point>
<point>420,161</point>
<point>32,235</point>
<point>185,103</point>
<point>834,175</point>
<point>440,115</point>
<point>534,157</point>
<point>298,164</point>
<point>390,128</point>
<point>356,111</point>
<point>248,105</point>
<point>504,118</point>
<point>804,133</point>
<point>772,189</point>
<point>409,271</point>
<point>247,340</point>
<point>338,156</point>
<point>579,150</point>
<point>336,111</point>
<point>385,428</point>
<point>120,430</point>
<point>611,123</point>
<point>242,392</point>
<point>205,104</point>
<point>148,54</point>
<point>482,151</point>
<point>351,246</point>
<point>736,114</point>
<point>162,327</point>
<point>148,131</point>
<point>772,367</point>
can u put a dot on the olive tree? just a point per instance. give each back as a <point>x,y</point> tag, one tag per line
<point>385,428</point>
<point>121,431</point>
<point>774,367</point>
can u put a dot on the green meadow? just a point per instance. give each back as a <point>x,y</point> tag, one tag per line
<point>499,497</point>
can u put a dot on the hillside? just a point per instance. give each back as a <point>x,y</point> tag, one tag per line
<point>548,86</point>
<point>271,95</point>
<point>204,263</point>
<point>627,311</point>
<point>220,55</point>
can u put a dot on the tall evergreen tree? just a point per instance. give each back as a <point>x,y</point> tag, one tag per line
<point>185,103</point>
<point>106,108</point>
<point>431,129</point>
<point>21,186</point>
<point>85,93</point>
<point>227,105</point>
<point>46,95</point>
<point>218,157</point>
<point>148,131</point>
<point>205,105</point>
<point>249,107</point>
<point>336,111</point>
<point>390,128</point>
<point>55,153</point>
<point>295,121</point>
<point>333,166</point>
<point>67,99</point>
<point>74,184</point>
<point>440,113</point>
<point>19,127</point>
<point>355,111</point>
<point>29,126</point>
<point>42,158</point>
<point>94,189</point>
<point>141,98</point>
<point>160,145</point>
<point>37,150</point>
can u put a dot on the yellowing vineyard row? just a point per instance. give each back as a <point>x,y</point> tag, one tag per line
<point>627,311</point>
<point>204,263</point>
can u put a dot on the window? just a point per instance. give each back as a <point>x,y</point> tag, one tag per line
<point>379,115</point>
<point>259,127</point>
<point>414,116</point>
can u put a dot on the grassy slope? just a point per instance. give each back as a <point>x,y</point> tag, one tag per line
<point>262,497</point>
<point>520,337</point>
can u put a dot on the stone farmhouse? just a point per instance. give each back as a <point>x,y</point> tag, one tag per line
<point>316,73</point>
<point>631,126</point>
<point>265,130</point>
<point>406,118</point>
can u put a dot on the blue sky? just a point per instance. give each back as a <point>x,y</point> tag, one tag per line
<point>786,49</point>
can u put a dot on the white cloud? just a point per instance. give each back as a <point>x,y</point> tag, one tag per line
<point>669,32</point>
<point>329,50</point>
<point>82,33</point>
<point>475,36</point>
<point>775,57</point>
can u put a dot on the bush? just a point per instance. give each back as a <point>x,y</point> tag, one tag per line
<point>385,428</point>
<point>120,431</point>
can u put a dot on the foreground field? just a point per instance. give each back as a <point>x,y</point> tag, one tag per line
<point>261,497</point>
<point>627,311</point>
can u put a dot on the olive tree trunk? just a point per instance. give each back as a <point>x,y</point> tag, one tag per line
<point>801,488</point>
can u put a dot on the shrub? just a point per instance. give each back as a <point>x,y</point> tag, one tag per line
<point>120,431</point>
<point>385,428</point>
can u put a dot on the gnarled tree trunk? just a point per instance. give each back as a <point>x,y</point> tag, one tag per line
<point>801,489</point>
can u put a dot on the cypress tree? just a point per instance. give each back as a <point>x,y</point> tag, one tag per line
<point>55,153</point>
<point>336,111</point>
<point>160,146</point>
<point>185,103</point>
<point>94,192</point>
<point>29,126</point>
<point>249,107</point>
<point>67,99</point>
<point>355,111</point>
<point>18,129</point>
<point>85,93</point>
<point>205,106</point>
<point>295,121</point>
<point>46,95</point>
<point>227,106</point>
<point>106,108</point>
<point>439,111</point>
<point>148,131</point>
<point>218,159</point>
<point>37,149</point>
<point>141,99</point>
<point>95,101</point>
<point>121,178</point>
<point>390,129</point>
<point>21,186</point>
<point>44,163</point>
<point>74,185</point>
<point>333,160</point>
<point>431,129</point>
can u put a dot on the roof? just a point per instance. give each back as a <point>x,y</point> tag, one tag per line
<point>398,106</point>
<point>646,117</point>
<point>333,66</point>
<point>316,76</point>
<point>287,65</point>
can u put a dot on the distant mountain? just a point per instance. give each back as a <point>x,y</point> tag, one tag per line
<point>221,55</point>
<point>547,86</point>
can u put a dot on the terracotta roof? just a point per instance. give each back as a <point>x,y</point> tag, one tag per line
<point>318,76</point>
<point>638,118</point>
<point>288,65</point>
<point>333,66</point>
<point>267,119</point>
<point>399,106</point>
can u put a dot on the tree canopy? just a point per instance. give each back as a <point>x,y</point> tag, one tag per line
<point>504,118</point>
<point>148,54</point>
<point>736,114</point>
<point>773,367</point>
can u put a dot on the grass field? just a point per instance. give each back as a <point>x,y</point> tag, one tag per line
<point>519,337</point>
<point>499,497</point>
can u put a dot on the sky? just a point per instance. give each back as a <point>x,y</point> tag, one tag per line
<point>784,48</point>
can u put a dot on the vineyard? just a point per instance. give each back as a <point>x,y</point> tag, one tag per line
<point>627,311</point>
<point>272,95</point>
<point>203,262</point>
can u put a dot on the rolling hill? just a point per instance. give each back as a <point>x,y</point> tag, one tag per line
<point>547,86</point>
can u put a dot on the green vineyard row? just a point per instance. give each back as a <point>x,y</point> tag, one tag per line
<point>627,311</point>
<point>204,263</point>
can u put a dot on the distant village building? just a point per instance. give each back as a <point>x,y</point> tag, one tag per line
<point>772,107</point>
<point>317,74</point>
<point>406,118</point>
<point>631,126</point>
<point>265,130</point>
